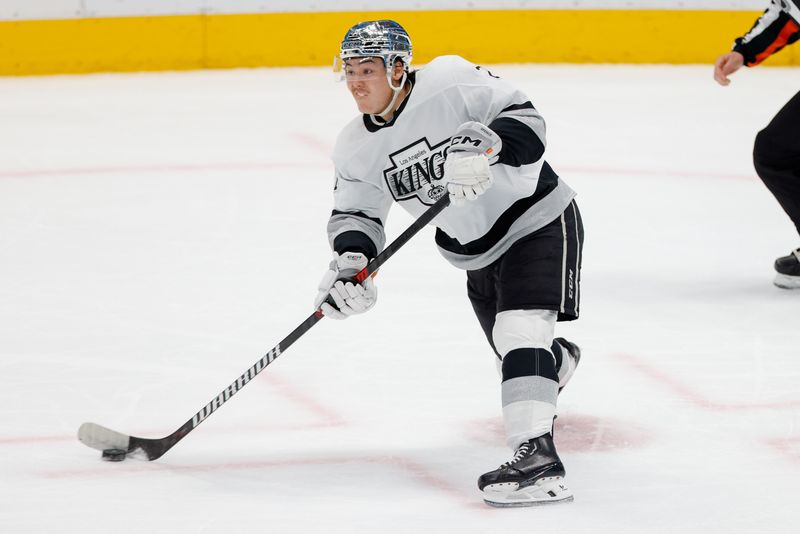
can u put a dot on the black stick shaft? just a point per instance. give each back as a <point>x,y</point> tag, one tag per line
<point>403,238</point>
<point>155,448</point>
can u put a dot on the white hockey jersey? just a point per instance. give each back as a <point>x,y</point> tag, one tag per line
<point>402,161</point>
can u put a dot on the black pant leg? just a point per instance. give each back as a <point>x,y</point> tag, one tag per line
<point>483,297</point>
<point>776,156</point>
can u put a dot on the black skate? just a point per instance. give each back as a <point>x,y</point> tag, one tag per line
<point>788,271</point>
<point>575,353</point>
<point>534,476</point>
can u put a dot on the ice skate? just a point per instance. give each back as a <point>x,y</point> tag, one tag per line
<point>534,476</point>
<point>569,361</point>
<point>788,271</point>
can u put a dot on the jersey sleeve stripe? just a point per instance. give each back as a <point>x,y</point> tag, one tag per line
<point>514,107</point>
<point>356,214</point>
<point>355,232</point>
<point>354,241</point>
<point>548,180</point>
<point>521,145</point>
<point>787,34</point>
<point>771,32</point>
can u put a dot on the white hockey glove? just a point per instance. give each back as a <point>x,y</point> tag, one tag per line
<point>340,296</point>
<point>473,148</point>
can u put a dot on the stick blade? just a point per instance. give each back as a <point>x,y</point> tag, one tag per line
<point>102,438</point>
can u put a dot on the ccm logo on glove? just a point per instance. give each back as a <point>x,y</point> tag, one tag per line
<point>476,142</point>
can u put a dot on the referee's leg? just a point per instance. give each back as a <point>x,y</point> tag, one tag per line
<point>776,156</point>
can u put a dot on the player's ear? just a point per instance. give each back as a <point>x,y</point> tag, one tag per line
<point>397,70</point>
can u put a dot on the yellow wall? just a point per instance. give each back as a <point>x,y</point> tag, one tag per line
<point>284,39</point>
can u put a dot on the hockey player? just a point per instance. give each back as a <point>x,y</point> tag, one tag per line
<point>776,153</point>
<point>455,128</point>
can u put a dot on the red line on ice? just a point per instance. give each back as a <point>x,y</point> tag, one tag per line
<point>564,169</point>
<point>188,167</point>
<point>789,448</point>
<point>690,394</point>
<point>326,418</point>
<point>328,415</point>
<point>139,169</point>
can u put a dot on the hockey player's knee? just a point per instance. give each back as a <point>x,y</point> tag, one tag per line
<point>517,329</point>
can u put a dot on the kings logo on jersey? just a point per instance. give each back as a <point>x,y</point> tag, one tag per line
<point>417,171</point>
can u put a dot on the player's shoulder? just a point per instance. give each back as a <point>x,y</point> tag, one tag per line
<point>448,68</point>
<point>452,61</point>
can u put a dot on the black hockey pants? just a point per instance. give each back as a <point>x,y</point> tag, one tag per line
<point>776,156</point>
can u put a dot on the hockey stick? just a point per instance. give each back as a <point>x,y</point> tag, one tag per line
<point>116,445</point>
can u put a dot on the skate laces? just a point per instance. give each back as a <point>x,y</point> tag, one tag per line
<point>522,451</point>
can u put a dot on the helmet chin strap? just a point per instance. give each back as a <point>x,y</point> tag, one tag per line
<point>396,91</point>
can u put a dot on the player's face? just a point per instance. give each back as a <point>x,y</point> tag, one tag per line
<point>366,81</point>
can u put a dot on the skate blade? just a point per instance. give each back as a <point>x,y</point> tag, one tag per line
<point>785,281</point>
<point>549,490</point>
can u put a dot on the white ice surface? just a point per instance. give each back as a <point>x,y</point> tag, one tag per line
<point>160,232</point>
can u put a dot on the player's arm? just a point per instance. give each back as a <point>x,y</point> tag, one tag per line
<point>522,131</point>
<point>356,235</point>
<point>508,112</point>
<point>520,126</point>
<point>360,209</point>
<point>505,122</point>
<point>776,28</point>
